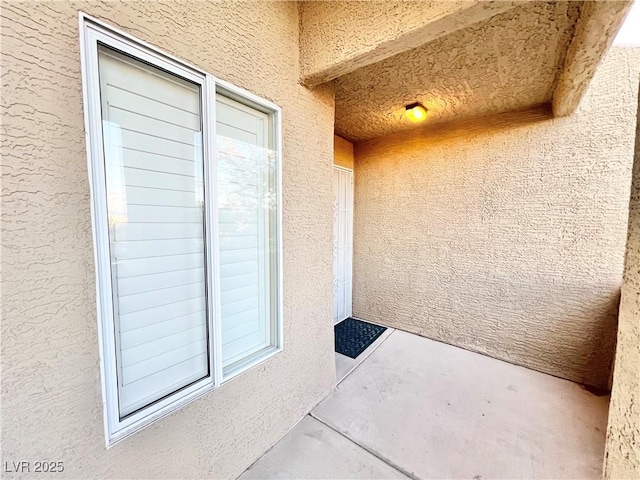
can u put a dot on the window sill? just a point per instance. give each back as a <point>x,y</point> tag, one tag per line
<point>258,359</point>
<point>251,362</point>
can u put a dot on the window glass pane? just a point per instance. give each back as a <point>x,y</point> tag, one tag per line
<point>247,210</point>
<point>154,180</point>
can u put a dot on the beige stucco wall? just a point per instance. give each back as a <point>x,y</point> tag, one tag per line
<point>622,457</point>
<point>506,239</point>
<point>51,398</point>
<point>342,152</point>
<point>337,37</point>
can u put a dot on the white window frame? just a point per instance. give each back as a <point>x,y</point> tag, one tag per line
<point>92,33</point>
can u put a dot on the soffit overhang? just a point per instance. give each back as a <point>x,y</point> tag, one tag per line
<point>460,59</point>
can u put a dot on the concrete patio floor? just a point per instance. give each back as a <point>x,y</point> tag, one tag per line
<point>422,409</point>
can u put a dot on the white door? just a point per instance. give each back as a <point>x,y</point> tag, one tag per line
<point>342,242</point>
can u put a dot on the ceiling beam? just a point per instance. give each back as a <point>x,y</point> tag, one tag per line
<point>337,38</point>
<point>594,33</point>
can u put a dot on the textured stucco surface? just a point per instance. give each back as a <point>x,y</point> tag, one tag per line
<point>342,152</point>
<point>505,63</point>
<point>593,34</point>
<point>622,457</point>
<point>506,241</point>
<point>337,37</point>
<point>51,398</point>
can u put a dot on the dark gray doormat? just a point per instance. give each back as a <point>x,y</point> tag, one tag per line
<point>354,336</point>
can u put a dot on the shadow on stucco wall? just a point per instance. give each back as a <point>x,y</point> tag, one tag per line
<point>622,458</point>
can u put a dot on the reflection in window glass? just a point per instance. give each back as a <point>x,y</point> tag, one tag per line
<point>247,192</point>
<point>152,132</point>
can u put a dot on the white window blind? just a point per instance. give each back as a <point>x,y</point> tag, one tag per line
<point>246,213</point>
<point>154,181</point>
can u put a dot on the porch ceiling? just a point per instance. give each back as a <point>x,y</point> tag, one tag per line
<point>534,53</point>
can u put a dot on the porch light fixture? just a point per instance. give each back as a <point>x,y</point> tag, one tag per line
<point>416,112</point>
